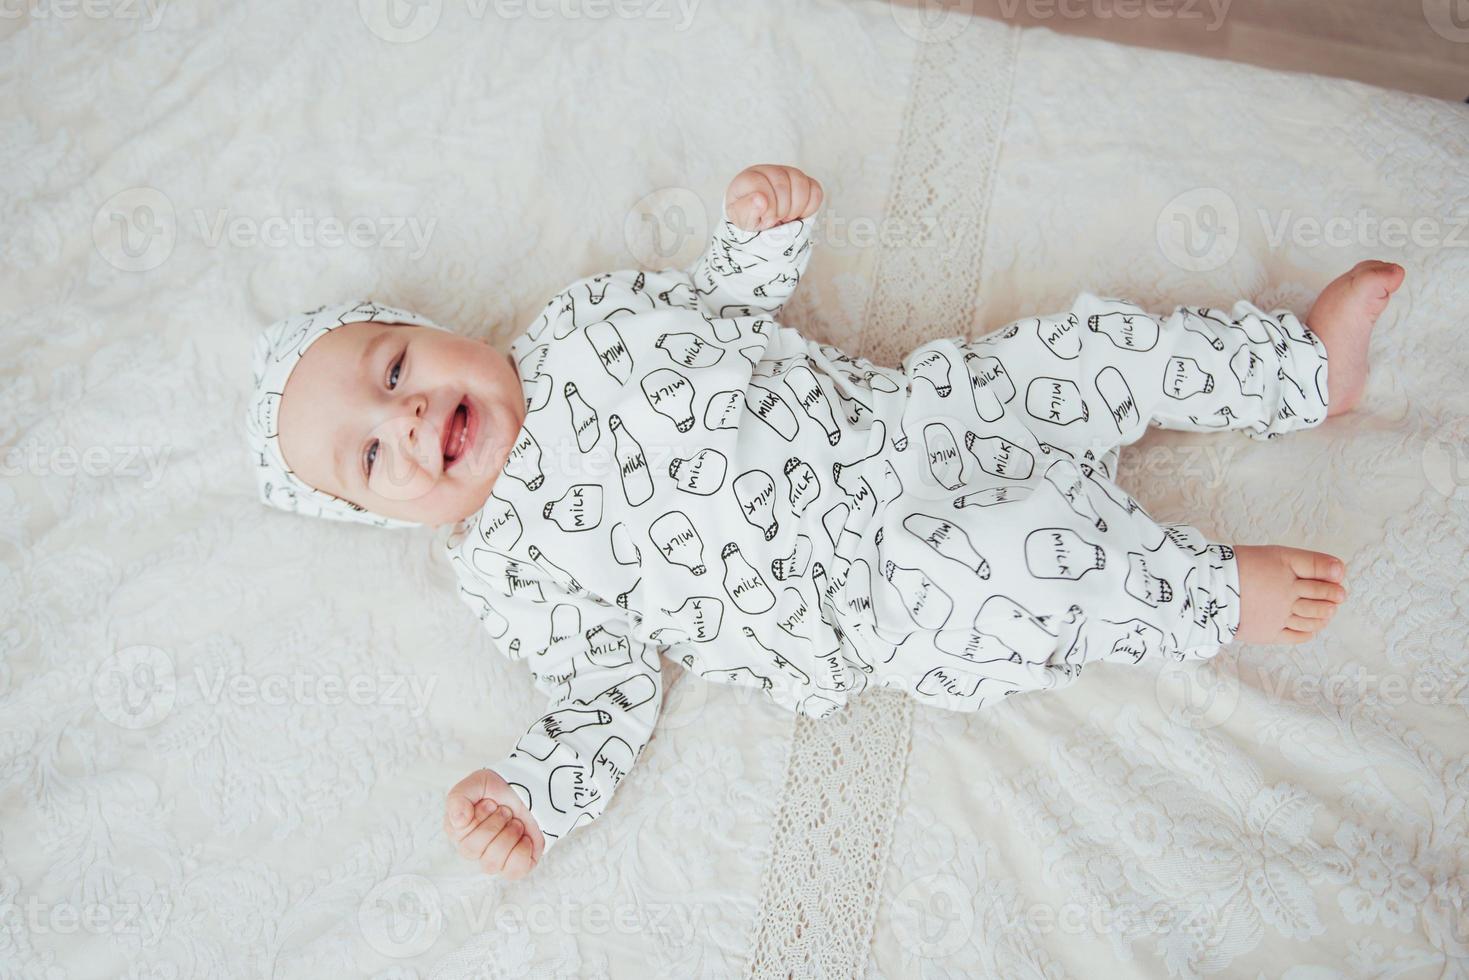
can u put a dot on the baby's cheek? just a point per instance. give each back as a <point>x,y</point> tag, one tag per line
<point>404,482</point>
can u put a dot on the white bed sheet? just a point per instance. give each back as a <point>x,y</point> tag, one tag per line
<point>163,779</point>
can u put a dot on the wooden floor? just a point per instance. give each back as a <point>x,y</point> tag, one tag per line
<point>1413,45</point>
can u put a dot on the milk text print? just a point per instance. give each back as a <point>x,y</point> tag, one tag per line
<point>1061,335</point>
<point>702,473</point>
<point>583,418</point>
<point>928,605</point>
<point>794,564</point>
<point>992,496</point>
<point>632,465</point>
<point>803,485</point>
<point>999,457</point>
<point>944,464</point>
<point>934,368</point>
<point>578,509</point>
<point>1120,403</point>
<point>949,540</point>
<point>723,410</point>
<point>1066,477</point>
<point>770,408</point>
<point>524,461</point>
<point>743,582</point>
<point>1184,378</point>
<point>702,614</point>
<point>755,491</point>
<point>499,524</point>
<point>671,396</point>
<point>813,401</point>
<point>1126,330</point>
<point>1058,552</point>
<point>607,649</point>
<point>689,350</point>
<point>676,540</point>
<point>564,721</point>
<point>612,353</point>
<point>1144,585</point>
<point>1055,400</point>
<point>624,549</point>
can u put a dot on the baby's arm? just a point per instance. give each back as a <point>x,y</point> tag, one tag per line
<point>605,689</point>
<point>761,245</point>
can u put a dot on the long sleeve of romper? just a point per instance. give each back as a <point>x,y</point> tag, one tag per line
<point>605,690</point>
<point>751,273</point>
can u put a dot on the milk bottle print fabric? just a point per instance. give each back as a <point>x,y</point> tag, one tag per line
<point>694,478</point>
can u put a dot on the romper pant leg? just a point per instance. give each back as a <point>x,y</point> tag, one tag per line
<point>1009,559</point>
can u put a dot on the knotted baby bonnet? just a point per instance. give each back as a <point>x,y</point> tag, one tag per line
<point>278,350</point>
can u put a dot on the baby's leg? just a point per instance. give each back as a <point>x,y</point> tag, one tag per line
<point>1097,376</point>
<point>1343,317</point>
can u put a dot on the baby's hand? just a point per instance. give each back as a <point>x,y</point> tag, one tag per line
<point>769,194</point>
<point>490,825</point>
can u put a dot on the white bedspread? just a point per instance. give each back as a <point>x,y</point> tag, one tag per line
<point>225,733</point>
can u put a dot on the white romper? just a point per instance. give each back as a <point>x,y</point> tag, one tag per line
<point>694,477</point>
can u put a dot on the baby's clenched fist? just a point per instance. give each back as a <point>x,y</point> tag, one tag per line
<point>488,824</point>
<point>769,194</point>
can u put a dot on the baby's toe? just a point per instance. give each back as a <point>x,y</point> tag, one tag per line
<point>1317,565</point>
<point>1308,588</point>
<point>1302,624</point>
<point>1313,609</point>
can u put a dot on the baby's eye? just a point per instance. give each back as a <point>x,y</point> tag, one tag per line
<point>393,373</point>
<point>370,456</point>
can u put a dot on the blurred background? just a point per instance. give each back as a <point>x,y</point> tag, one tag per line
<point>1411,45</point>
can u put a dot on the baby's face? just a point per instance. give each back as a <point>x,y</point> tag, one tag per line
<point>410,422</point>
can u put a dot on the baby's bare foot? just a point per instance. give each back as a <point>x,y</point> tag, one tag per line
<point>1286,594</point>
<point>1343,317</point>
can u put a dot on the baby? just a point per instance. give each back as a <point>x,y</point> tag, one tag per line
<point>660,466</point>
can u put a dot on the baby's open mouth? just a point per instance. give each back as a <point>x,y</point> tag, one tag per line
<point>457,430</point>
